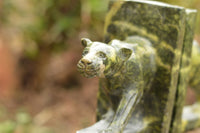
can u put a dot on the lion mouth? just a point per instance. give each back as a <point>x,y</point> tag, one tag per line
<point>88,71</point>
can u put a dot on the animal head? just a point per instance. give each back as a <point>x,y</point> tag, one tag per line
<point>100,59</point>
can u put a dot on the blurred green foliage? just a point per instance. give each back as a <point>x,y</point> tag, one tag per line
<point>7,127</point>
<point>49,24</point>
<point>45,24</point>
<point>53,22</point>
<point>22,123</point>
<point>46,27</point>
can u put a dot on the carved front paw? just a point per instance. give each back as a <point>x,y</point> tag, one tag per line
<point>88,131</point>
<point>112,130</point>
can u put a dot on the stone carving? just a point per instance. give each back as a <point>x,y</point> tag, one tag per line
<point>126,69</point>
<point>141,66</point>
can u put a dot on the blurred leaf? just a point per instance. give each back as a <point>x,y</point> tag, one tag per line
<point>3,112</point>
<point>7,127</point>
<point>99,5</point>
<point>23,118</point>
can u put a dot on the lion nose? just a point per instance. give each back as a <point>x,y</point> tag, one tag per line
<point>86,62</point>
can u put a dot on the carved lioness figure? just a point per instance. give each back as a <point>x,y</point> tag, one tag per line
<point>126,70</point>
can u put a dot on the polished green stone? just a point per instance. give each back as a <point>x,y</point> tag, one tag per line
<point>164,26</point>
<point>176,124</point>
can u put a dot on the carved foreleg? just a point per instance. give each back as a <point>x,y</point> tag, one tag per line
<point>105,113</point>
<point>129,100</point>
<point>104,101</point>
<point>100,125</point>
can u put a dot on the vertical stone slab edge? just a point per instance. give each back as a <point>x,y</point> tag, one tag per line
<point>174,76</point>
<point>176,126</point>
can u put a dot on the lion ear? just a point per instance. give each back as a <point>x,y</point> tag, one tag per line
<point>125,53</point>
<point>86,42</point>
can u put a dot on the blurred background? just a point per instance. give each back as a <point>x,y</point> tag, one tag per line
<point>40,88</point>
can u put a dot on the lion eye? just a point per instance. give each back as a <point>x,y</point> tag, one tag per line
<point>84,53</point>
<point>102,55</point>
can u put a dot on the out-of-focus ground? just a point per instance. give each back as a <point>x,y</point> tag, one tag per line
<point>63,110</point>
